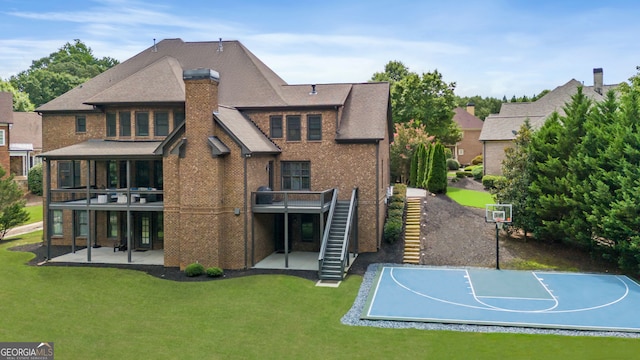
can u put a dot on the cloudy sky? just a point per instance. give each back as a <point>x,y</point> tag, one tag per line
<point>488,48</point>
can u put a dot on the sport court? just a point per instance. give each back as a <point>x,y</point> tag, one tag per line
<point>538,299</point>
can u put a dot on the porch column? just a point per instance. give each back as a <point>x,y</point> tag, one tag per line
<point>128,211</point>
<point>88,201</point>
<point>47,229</point>
<point>286,230</point>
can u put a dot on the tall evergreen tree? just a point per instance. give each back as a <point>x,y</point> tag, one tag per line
<point>12,212</point>
<point>437,181</point>
<point>514,190</point>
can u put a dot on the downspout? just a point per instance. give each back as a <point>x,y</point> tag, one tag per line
<point>379,240</point>
<point>246,217</point>
<point>484,158</point>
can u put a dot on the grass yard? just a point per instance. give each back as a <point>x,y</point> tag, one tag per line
<point>35,214</point>
<point>477,199</point>
<point>100,313</point>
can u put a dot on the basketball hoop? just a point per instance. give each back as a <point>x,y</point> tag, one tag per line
<point>499,222</point>
<point>499,214</point>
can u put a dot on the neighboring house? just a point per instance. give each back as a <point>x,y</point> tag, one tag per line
<point>177,149</point>
<point>20,138</point>
<point>469,146</point>
<point>26,143</point>
<point>500,130</point>
<point>6,122</point>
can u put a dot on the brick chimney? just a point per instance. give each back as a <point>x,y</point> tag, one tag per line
<point>200,194</point>
<point>471,108</point>
<point>597,80</point>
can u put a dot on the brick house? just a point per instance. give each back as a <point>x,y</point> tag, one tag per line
<point>20,139</point>
<point>500,130</point>
<point>201,150</point>
<point>469,146</point>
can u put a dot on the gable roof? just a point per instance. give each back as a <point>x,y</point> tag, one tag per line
<point>504,126</point>
<point>465,120</point>
<point>367,114</point>
<point>244,132</point>
<point>6,107</point>
<point>26,129</point>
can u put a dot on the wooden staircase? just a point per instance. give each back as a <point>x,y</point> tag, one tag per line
<point>412,231</point>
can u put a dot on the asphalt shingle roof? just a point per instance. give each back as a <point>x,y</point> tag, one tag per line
<point>504,125</point>
<point>104,149</point>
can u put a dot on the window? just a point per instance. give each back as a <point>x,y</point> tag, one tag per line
<point>112,176</point>
<point>161,123</point>
<point>125,123</point>
<point>81,124</point>
<point>57,223</point>
<point>142,124</point>
<point>275,126</point>
<point>82,223</point>
<point>111,124</point>
<point>68,174</point>
<point>314,127</point>
<point>112,224</point>
<point>296,175</point>
<point>2,141</point>
<point>178,118</point>
<point>293,128</point>
<point>460,152</point>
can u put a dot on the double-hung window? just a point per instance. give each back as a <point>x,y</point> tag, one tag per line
<point>275,125</point>
<point>314,127</point>
<point>69,174</point>
<point>293,128</point>
<point>82,228</point>
<point>81,124</point>
<point>161,123</point>
<point>125,123</point>
<point>178,118</point>
<point>296,175</point>
<point>142,124</point>
<point>57,223</point>
<point>111,124</point>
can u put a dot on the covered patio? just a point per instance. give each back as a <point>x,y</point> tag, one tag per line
<point>106,255</point>
<point>298,260</point>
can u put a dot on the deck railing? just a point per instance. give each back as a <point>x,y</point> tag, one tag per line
<point>107,196</point>
<point>291,199</point>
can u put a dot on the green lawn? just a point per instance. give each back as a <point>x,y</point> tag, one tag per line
<point>477,199</point>
<point>99,313</point>
<point>35,214</point>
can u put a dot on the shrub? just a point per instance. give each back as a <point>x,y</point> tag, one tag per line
<point>392,230</point>
<point>477,160</point>
<point>214,272</point>
<point>490,181</point>
<point>400,189</point>
<point>34,180</point>
<point>396,205</point>
<point>461,174</point>
<point>453,164</point>
<point>195,269</point>
<point>396,198</point>
<point>396,213</point>
<point>448,154</point>
<point>477,172</point>
<point>437,181</point>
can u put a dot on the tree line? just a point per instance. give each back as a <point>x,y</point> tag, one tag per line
<point>576,180</point>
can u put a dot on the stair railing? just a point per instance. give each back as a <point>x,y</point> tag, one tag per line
<point>327,227</point>
<point>344,255</point>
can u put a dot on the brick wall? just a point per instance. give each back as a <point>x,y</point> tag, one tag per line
<point>471,145</point>
<point>493,156</point>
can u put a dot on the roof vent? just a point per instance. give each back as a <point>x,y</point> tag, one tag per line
<point>313,90</point>
<point>220,45</point>
<point>155,47</point>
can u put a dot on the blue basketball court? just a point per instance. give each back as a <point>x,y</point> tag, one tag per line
<point>551,300</point>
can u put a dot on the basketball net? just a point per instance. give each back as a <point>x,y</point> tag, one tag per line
<point>499,222</point>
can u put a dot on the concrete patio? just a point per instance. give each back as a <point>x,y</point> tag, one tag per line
<point>106,255</point>
<point>298,260</point>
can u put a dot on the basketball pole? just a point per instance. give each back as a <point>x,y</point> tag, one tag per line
<point>497,246</point>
